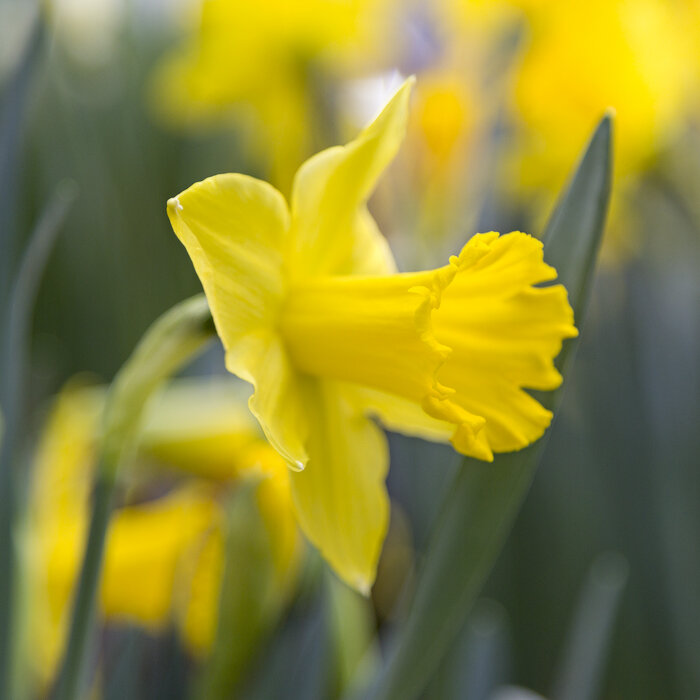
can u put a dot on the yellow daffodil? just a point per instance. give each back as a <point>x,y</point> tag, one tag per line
<point>254,64</point>
<point>444,118</point>
<point>164,556</point>
<point>312,313</point>
<point>583,57</point>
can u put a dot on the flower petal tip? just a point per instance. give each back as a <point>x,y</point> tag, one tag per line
<point>174,205</point>
<point>294,462</point>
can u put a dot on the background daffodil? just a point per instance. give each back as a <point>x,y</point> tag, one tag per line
<point>311,312</point>
<point>165,551</point>
<point>580,58</point>
<point>262,66</point>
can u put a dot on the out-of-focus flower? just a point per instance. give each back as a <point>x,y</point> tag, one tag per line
<point>258,64</point>
<point>583,57</point>
<point>164,556</point>
<point>446,123</point>
<point>445,117</point>
<point>461,52</point>
<point>311,313</point>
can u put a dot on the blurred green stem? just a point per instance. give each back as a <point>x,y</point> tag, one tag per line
<point>352,628</point>
<point>247,601</point>
<point>13,359</point>
<point>14,101</point>
<point>168,344</point>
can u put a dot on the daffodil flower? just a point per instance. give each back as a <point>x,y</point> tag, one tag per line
<point>164,556</point>
<point>253,64</point>
<point>582,57</point>
<point>312,313</point>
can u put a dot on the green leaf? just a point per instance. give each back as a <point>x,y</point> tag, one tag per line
<point>249,602</point>
<point>12,122</point>
<point>174,339</point>
<point>484,499</point>
<point>352,626</point>
<point>586,650</point>
<point>575,230</point>
<point>14,354</point>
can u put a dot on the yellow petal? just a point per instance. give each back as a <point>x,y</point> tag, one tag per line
<point>197,596</point>
<point>331,229</point>
<point>142,574</point>
<point>504,334</point>
<point>399,414</point>
<point>340,498</point>
<point>59,516</point>
<point>234,229</point>
<point>201,427</point>
<point>66,452</point>
<point>276,507</point>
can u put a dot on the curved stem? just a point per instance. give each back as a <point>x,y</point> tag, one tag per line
<point>168,344</point>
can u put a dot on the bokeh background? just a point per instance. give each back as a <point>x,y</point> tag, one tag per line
<point>135,100</point>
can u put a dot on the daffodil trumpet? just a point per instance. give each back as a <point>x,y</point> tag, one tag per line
<point>311,311</point>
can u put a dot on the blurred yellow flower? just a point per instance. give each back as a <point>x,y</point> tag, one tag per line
<point>582,57</point>
<point>311,312</point>
<point>443,122</point>
<point>256,63</point>
<point>164,557</point>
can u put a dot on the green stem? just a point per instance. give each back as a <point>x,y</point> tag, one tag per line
<point>14,352</point>
<point>71,680</point>
<point>168,344</point>
<point>12,122</point>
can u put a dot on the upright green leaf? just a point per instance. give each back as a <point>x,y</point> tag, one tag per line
<point>575,230</point>
<point>586,650</point>
<point>249,602</point>
<point>12,120</point>
<point>482,503</point>
<point>14,352</point>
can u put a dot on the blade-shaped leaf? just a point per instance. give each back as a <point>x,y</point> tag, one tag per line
<point>248,606</point>
<point>585,653</point>
<point>484,499</point>
<point>14,353</point>
<point>12,121</point>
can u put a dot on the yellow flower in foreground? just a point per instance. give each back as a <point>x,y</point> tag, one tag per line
<point>310,312</point>
<point>164,556</point>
